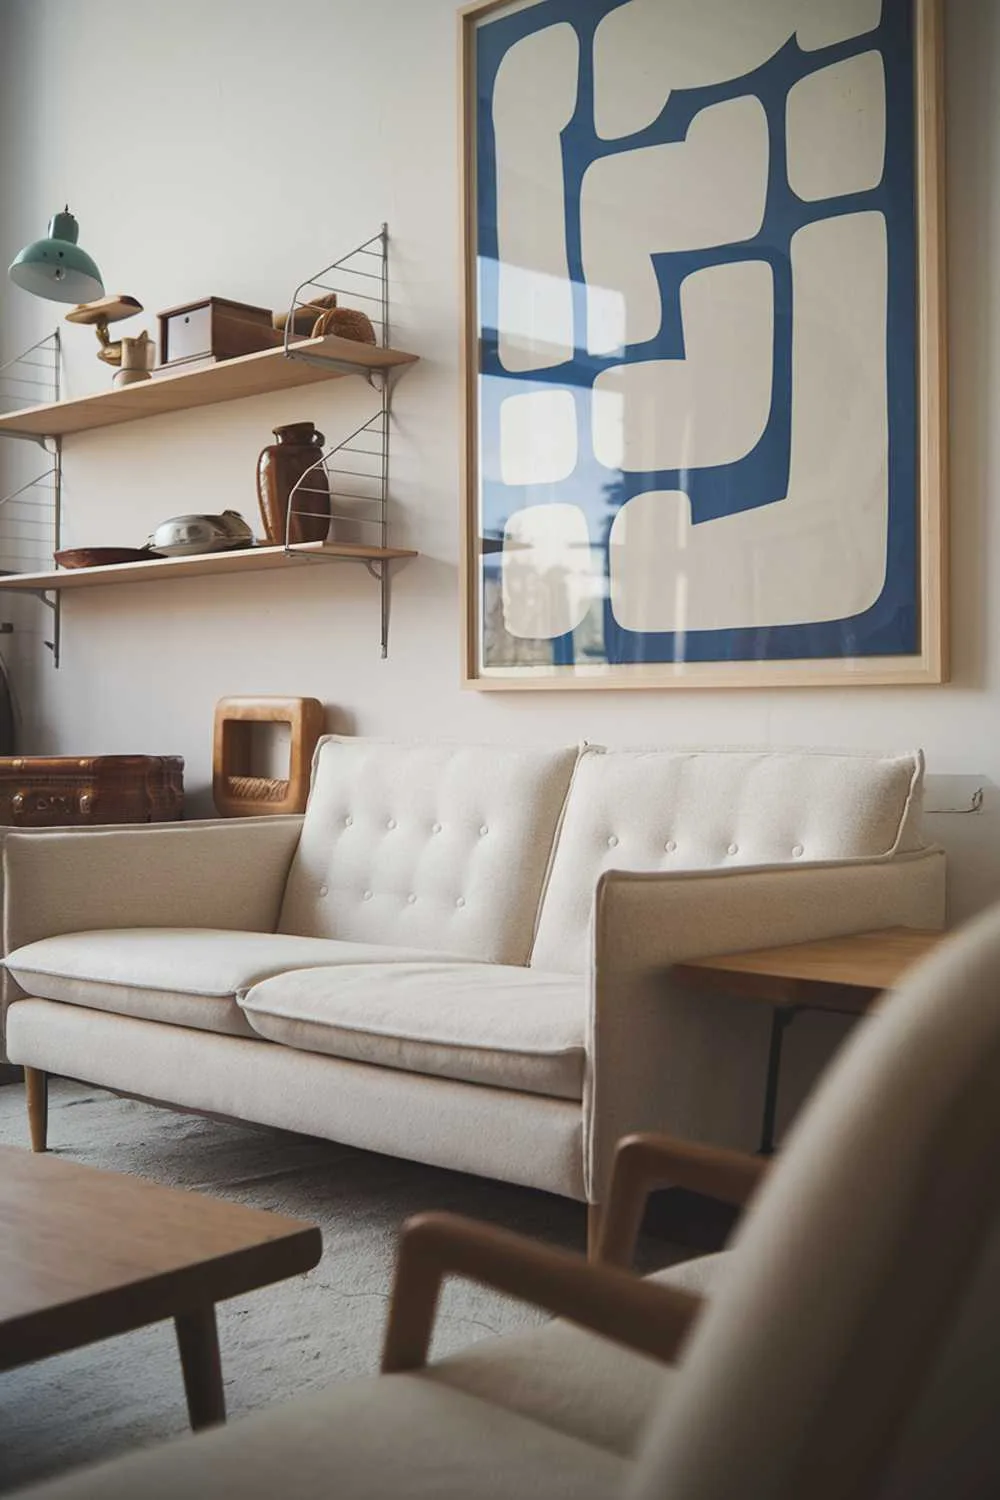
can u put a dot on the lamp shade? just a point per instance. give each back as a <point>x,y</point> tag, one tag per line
<point>56,267</point>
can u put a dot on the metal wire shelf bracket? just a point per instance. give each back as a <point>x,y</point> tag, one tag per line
<point>32,378</point>
<point>355,470</point>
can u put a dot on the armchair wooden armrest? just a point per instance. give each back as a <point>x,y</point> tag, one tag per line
<point>651,1319</point>
<point>645,1162</point>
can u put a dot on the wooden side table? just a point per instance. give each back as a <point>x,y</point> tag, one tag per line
<point>842,974</point>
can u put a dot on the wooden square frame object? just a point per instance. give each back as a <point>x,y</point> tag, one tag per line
<point>236,793</point>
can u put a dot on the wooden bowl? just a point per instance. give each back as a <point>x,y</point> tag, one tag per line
<point>96,557</point>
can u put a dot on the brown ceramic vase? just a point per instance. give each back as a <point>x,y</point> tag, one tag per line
<point>279,468</point>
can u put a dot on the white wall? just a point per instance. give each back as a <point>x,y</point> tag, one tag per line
<point>231,148</point>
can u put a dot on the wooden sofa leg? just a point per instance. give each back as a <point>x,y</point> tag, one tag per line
<point>595,1218</point>
<point>36,1085</point>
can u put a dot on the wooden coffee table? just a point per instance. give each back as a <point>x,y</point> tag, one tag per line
<point>85,1254</point>
<point>841,974</point>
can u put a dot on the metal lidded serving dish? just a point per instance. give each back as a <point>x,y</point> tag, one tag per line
<point>180,536</point>
<point>185,536</point>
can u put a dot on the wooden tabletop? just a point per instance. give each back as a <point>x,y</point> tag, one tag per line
<point>843,973</point>
<point>85,1254</point>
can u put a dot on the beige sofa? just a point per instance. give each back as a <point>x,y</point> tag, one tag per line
<point>461,954</point>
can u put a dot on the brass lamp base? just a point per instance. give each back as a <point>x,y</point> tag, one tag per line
<point>99,314</point>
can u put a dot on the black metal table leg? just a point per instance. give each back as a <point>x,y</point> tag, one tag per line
<point>781,1018</point>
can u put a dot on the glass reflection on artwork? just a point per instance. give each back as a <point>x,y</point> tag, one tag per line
<point>696,408</point>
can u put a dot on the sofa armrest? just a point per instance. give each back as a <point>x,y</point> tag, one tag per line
<point>228,873</point>
<point>663,1057</point>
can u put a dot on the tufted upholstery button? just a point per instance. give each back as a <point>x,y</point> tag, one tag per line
<point>797,851</point>
<point>367,896</point>
<point>390,823</point>
<point>460,901</point>
<point>348,821</point>
<point>324,890</point>
<point>734,849</point>
<point>483,831</point>
<point>435,828</point>
<point>670,846</point>
<point>613,842</point>
<point>410,899</point>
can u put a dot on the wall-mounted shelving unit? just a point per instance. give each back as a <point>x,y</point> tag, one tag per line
<point>270,370</point>
<point>298,361</point>
<point>33,375</point>
<point>162,569</point>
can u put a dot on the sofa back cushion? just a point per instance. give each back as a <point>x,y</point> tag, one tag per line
<point>704,809</point>
<point>442,847</point>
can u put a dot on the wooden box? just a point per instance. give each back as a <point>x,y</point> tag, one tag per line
<point>60,791</point>
<point>214,328</point>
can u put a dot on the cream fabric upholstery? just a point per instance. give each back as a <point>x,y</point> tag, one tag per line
<point>402,1435</point>
<point>9,989</point>
<point>850,1346</point>
<point>479,1023</point>
<point>435,846</point>
<point>853,1347</point>
<point>397,838</point>
<point>661,1057</point>
<point>572,1380</point>
<point>701,809</point>
<point>493,1132</point>
<point>186,976</point>
<point>229,873</point>
<point>576,1385</point>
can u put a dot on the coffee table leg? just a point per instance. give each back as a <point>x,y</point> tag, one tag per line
<point>198,1342</point>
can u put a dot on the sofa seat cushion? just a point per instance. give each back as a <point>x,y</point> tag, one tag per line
<point>185,976</point>
<point>476,1023</point>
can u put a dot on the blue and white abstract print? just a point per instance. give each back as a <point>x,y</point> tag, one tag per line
<point>697,318</point>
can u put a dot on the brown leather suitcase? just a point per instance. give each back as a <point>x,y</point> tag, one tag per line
<point>61,791</point>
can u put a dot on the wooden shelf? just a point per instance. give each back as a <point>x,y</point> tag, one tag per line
<point>159,570</point>
<point>230,380</point>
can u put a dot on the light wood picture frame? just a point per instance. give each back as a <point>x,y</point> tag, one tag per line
<point>704,357</point>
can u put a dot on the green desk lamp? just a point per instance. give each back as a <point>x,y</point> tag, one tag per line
<point>56,267</point>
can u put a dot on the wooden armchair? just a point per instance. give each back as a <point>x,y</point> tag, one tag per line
<point>602,1295</point>
<point>851,1348</point>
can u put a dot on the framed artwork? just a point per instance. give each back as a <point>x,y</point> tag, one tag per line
<point>703,343</point>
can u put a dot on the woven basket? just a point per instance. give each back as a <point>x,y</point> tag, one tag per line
<point>257,788</point>
<point>347,323</point>
<point>306,315</point>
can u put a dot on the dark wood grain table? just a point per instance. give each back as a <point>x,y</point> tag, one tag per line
<point>841,974</point>
<point>86,1254</point>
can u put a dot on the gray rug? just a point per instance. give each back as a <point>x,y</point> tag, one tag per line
<point>296,1336</point>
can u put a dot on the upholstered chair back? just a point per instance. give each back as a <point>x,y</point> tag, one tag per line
<point>701,809</point>
<point>443,847</point>
<point>854,1348</point>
